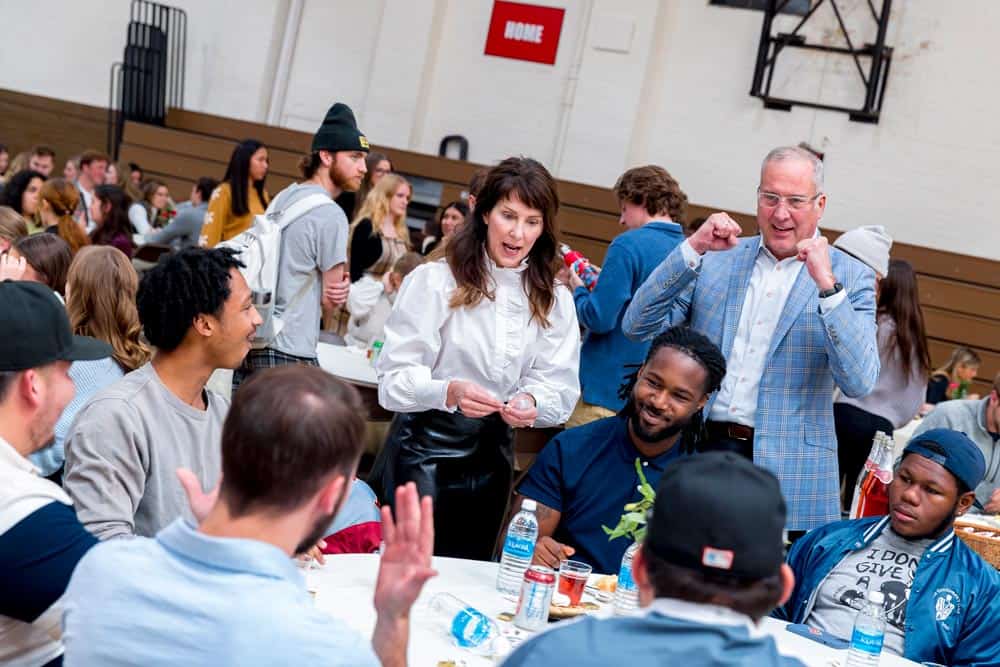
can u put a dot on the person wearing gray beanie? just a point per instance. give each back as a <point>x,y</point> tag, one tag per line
<point>870,245</point>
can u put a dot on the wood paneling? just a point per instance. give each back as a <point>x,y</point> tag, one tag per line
<point>69,128</point>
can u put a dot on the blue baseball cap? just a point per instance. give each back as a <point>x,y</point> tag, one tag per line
<point>962,457</point>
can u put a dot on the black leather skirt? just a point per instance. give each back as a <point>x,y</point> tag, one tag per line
<point>464,464</point>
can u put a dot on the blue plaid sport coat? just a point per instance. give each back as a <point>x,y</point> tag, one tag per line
<point>810,353</point>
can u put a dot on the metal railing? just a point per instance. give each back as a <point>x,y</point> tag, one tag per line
<point>150,78</point>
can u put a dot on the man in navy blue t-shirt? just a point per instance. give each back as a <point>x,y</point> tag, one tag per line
<point>585,476</point>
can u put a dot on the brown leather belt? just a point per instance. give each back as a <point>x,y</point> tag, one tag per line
<point>730,430</point>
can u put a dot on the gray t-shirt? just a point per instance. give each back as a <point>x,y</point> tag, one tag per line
<point>314,243</point>
<point>886,565</point>
<point>124,448</point>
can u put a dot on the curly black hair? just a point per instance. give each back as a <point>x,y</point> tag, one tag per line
<point>182,286</point>
<point>699,348</point>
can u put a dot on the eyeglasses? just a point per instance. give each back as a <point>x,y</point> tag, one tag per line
<point>793,202</point>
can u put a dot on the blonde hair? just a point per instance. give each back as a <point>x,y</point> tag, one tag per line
<point>376,207</point>
<point>101,303</point>
<point>12,225</point>
<point>960,356</point>
<point>63,197</point>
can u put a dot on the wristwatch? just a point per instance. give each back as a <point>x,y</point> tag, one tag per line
<point>837,287</point>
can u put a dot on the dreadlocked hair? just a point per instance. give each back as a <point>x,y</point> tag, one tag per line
<point>699,348</point>
<point>181,287</point>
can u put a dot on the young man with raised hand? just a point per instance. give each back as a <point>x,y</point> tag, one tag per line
<point>227,591</point>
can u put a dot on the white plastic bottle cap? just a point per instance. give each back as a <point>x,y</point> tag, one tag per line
<point>876,597</point>
<point>531,506</point>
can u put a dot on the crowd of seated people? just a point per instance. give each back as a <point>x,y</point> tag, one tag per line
<point>147,518</point>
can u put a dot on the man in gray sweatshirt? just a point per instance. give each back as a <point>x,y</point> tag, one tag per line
<point>124,447</point>
<point>980,420</point>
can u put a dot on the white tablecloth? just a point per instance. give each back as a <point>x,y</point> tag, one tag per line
<point>347,363</point>
<point>344,588</point>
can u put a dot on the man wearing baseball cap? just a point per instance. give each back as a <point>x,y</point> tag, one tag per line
<point>709,569</point>
<point>312,274</point>
<point>942,601</point>
<point>40,538</point>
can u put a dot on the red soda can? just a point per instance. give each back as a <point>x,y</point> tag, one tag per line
<point>536,595</point>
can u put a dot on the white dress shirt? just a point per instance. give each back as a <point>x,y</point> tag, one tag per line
<point>494,344</point>
<point>771,282</point>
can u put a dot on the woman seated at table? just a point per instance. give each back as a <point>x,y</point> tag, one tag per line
<point>476,346</point>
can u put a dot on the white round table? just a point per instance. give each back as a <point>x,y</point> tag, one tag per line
<point>347,363</point>
<point>344,588</point>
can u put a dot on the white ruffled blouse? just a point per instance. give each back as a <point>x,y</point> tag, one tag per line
<point>495,344</point>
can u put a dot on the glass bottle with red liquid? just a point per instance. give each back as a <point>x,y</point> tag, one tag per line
<point>871,496</point>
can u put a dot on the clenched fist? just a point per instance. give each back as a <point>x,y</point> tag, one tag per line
<point>816,254</point>
<point>718,232</point>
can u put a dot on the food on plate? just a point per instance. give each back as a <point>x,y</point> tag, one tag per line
<point>608,583</point>
<point>571,611</point>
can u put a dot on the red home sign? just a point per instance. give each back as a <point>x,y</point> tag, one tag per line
<point>524,32</point>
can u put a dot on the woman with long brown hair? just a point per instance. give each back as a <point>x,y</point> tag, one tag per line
<point>899,391</point>
<point>476,346</point>
<point>57,202</point>
<point>100,300</point>
<point>379,235</point>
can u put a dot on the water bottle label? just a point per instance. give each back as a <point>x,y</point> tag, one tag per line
<point>519,547</point>
<point>470,628</point>
<point>625,581</point>
<point>869,643</point>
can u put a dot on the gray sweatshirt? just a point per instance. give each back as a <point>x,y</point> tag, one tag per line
<point>124,447</point>
<point>969,417</point>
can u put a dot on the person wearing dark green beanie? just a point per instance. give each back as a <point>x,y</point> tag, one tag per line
<point>312,273</point>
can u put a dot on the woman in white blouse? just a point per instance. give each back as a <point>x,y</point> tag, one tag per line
<point>476,345</point>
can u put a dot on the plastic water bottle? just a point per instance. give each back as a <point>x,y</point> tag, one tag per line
<point>469,628</point>
<point>518,548</point>
<point>626,592</point>
<point>869,632</point>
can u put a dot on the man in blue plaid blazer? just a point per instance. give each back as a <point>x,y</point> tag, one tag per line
<point>792,315</point>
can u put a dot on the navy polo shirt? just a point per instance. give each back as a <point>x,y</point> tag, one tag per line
<point>588,474</point>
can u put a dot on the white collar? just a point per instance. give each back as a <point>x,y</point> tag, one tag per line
<point>709,614</point>
<point>496,269</point>
<point>11,456</point>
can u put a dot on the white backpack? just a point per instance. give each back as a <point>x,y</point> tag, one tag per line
<point>259,248</point>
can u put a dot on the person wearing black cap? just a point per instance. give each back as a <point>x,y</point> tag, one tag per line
<point>942,601</point>
<point>709,570</point>
<point>40,538</point>
<point>312,273</point>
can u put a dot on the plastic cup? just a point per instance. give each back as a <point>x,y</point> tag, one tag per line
<point>573,577</point>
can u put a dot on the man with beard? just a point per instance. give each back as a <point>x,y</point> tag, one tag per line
<point>942,601</point>
<point>585,476</point>
<point>227,591</point>
<point>312,273</point>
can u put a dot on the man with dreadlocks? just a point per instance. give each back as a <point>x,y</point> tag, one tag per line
<point>583,478</point>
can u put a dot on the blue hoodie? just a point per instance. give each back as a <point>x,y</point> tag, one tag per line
<point>953,613</point>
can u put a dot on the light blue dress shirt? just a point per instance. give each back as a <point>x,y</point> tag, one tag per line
<point>185,598</point>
